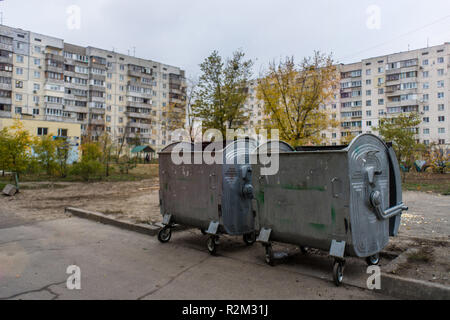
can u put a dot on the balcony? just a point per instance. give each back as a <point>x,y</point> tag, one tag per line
<point>56,69</point>
<point>139,94</point>
<point>6,86</point>
<point>5,100</point>
<point>139,115</point>
<point>97,99</point>
<point>8,60</point>
<point>56,57</point>
<point>6,47</point>
<point>97,122</point>
<point>5,74</point>
<point>139,125</point>
<point>404,103</point>
<point>5,114</point>
<point>76,109</point>
<point>97,110</point>
<point>398,92</point>
<point>53,105</point>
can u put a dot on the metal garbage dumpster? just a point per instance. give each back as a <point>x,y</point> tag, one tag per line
<point>214,197</point>
<point>345,199</point>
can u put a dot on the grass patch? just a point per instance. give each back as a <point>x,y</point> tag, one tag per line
<point>438,187</point>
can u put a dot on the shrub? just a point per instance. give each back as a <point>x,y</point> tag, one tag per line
<point>87,169</point>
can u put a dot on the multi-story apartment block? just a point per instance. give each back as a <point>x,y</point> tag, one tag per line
<point>386,86</point>
<point>45,78</point>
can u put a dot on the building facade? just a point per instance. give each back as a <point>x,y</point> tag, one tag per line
<point>387,86</point>
<point>45,78</point>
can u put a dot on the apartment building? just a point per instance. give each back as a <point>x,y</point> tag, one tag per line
<point>45,78</point>
<point>386,86</point>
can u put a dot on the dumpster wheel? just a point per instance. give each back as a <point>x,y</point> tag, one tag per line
<point>203,232</point>
<point>269,255</point>
<point>211,244</point>
<point>164,234</point>
<point>338,272</point>
<point>373,260</point>
<point>249,238</point>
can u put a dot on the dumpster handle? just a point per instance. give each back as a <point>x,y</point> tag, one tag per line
<point>375,200</point>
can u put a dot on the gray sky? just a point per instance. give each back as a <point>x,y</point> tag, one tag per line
<point>183,33</point>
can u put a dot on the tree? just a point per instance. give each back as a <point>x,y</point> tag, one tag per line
<point>293,97</point>
<point>62,155</point>
<point>45,150</point>
<point>401,131</point>
<point>15,145</point>
<point>222,92</point>
<point>90,165</point>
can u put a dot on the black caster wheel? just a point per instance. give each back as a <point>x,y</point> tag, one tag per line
<point>249,238</point>
<point>373,260</point>
<point>304,250</point>
<point>164,234</point>
<point>203,232</point>
<point>211,244</point>
<point>269,256</point>
<point>338,272</point>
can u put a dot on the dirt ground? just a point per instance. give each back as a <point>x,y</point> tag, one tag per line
<point>134,201</point>
<point>424,227</point>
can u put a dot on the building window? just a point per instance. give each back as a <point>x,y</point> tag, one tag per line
<point>425,74</point>
<point>440,60</point>
<point>380,102</point>
<point>440,72</point>
<point>19,84</point>
<point>368,103</point>
<point>37,49</point>
<point>18,110</point>
<point>37,61</point>
<point>426,119</point>
<point>42,131</point>
<point>36,112</point>
<point>441,141</point>
<point>426,131</point>
<point>426,85</point>
<point>441,118</point>
<point>440,84</point>
<point>62,132</point>
<point>441,130</point>
<point>18,97</point>
<point>369,113</point>
<point>19,59</point>
<point>369,123</point>
<point>440,95</point>
<point>37,74</point>
<point>426,108</point>
<point>426,97</point>
<point>381,91</point>
<point>19,71</point>
<point>425,62</point>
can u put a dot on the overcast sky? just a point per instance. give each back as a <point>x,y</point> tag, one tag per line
<point>184,32</point>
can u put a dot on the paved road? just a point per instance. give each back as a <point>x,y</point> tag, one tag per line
<point>118,264</point>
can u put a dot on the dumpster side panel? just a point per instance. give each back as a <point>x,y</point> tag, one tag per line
<point>189,192</point>
<point>306,203</point>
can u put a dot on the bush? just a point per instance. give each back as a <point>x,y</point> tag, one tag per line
<point>87,169</point>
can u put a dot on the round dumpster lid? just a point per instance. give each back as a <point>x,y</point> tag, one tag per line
<point>274,146</point>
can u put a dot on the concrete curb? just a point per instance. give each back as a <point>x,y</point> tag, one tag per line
<point>100,217</point>
<point>404,288</point>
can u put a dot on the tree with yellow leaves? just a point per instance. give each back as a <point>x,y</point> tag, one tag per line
<point>15,147</point>
<point>294,97</point>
